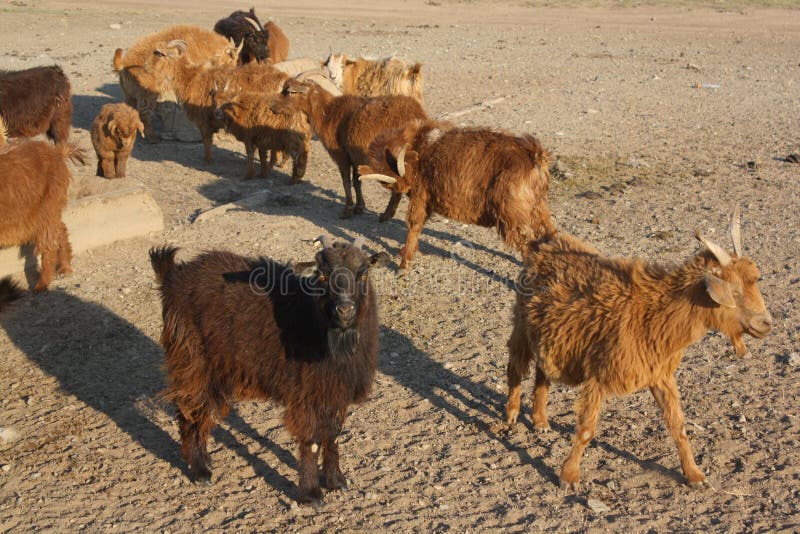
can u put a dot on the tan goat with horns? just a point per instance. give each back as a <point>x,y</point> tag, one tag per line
<point>617,325</point>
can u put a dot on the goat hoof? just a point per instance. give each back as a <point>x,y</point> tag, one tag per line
<point>700,485</point>
<point>335,482</point>
<point>570,486</point>
<point>358,210</point>
<point>312,497</point>
<point>384,217</point>
<point>203,480</point>
<point>541,427</point>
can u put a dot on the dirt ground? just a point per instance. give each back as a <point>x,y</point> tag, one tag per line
<point>645,156</point>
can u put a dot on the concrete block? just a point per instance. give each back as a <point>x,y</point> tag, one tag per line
<point>94,221</point>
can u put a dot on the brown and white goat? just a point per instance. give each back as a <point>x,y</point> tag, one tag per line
<point>346,125</point>
<point>617,325</point>
<point>113,136</point>
<point>375,77</point>
<point>247,116</point>
<point>141,75</point>
<point>194,86</point>
<point>471,175</point>
<point>33,193</point>
<point>35,101</point>
<point>239,329</point>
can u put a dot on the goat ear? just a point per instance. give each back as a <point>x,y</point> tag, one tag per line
<point>140,127</point>
<point>415,70</point>
<point>719,290</point>
<point>349,62</point>
<point>381,259</point>
<point>112,127</point>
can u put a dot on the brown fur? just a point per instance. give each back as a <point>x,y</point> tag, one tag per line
<point>194,86</point>
<point>36,101</point>
<point>367,77</point>
<point>113,136</point>
<point>472,175</point>
<point>33,193</point>
<point>346,125</point>
<point>615,326</point>
<point>277,42</point>
<point>238,329</point>
<point>141,75</point>
<point>247,116</point>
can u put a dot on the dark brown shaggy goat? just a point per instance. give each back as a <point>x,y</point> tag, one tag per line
<point>238,328</point>
<point>347,125</point>
<point>478,176</point>
<point>244,27</point>
<point>36,101</point>
<point>33,193</point>
<point>617,325</point>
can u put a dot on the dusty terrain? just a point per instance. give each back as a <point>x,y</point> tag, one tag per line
<point>645,157</point>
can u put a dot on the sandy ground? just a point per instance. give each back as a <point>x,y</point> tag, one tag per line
<point>645,157</point>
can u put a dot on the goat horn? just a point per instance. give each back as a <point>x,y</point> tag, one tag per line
<point>325,240</point>
<point>3,132</point>
<point>303,76</point>
<point>736,231</point>
<point>722,256</point>
<point>401,161</point>
<point>380,177</point>
<point>253,23</point>
<point>358,243</point>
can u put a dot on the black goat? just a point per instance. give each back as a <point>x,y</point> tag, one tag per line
<point>238,328</point>
<point>243,26</point>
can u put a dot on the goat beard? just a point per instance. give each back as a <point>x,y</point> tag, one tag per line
<point>342,342</point>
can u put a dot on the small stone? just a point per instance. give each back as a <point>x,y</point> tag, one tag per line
<point>793,358</point>
<point>596,506</point>
<point>8,435</point>
<point>115,26</point>
<point>742,419</point>
<point>6,468</point>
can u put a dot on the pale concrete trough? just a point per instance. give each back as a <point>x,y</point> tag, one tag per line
<point>94,221</point>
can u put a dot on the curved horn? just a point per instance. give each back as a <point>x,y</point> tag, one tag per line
<point>401,163</point>
<point>306,74</point>
<point>380,177</point>
<point>736,232</point>
<point>253,23</point>
<point>722,256</point>
<point>180,44</point>
<point>358,243</point>
<point>325,240</point>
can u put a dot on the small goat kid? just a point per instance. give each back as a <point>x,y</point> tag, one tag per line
<point>113,136</point>
<point>237,328</point>
<point>472,175</point>
<point>615,326</point>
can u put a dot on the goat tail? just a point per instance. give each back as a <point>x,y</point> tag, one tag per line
<point>9,291</point>
<point>163,260</point>
<point>118,60</point>
<point>539,155</point>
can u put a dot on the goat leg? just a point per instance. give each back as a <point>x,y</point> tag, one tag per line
<point>266,165</point>
<point>668,400</point>
<point>332,474</point>
<point>539,409</point>
<point>309,490</point>
<point>588,409</point>
<point>194,438</point>
<point>344,171</point>
<point>360,205</point>
<point>64,265</point>
<point>391,207</point>
<point>415,219</point>
<point>121,163</point>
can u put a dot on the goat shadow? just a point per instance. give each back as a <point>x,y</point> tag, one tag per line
<point>449,391</point>
<point>321,207</point>
<point>109,364</point>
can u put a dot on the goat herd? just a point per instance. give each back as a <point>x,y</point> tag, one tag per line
<point>306,335</point>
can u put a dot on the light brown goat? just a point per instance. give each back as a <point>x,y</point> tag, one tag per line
<point>113,136</point>
<point>194,86</point>
<point>615,326</point>
<point>375,77</point>
<point>33,193</point>
<point>347,125</point>
<point>477,176</point>
<point>141,75</point>
<point>247,116</point>
<point>277,42</point>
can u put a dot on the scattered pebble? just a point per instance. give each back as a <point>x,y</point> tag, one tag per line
<point>115,26</point>
<point>793,158</point>
<point>6,468</point>
<point>8,435</point>
<point>596,506</point>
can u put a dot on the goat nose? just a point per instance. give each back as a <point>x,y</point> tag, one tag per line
<point>765,323</point>
<point>345,309</point>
